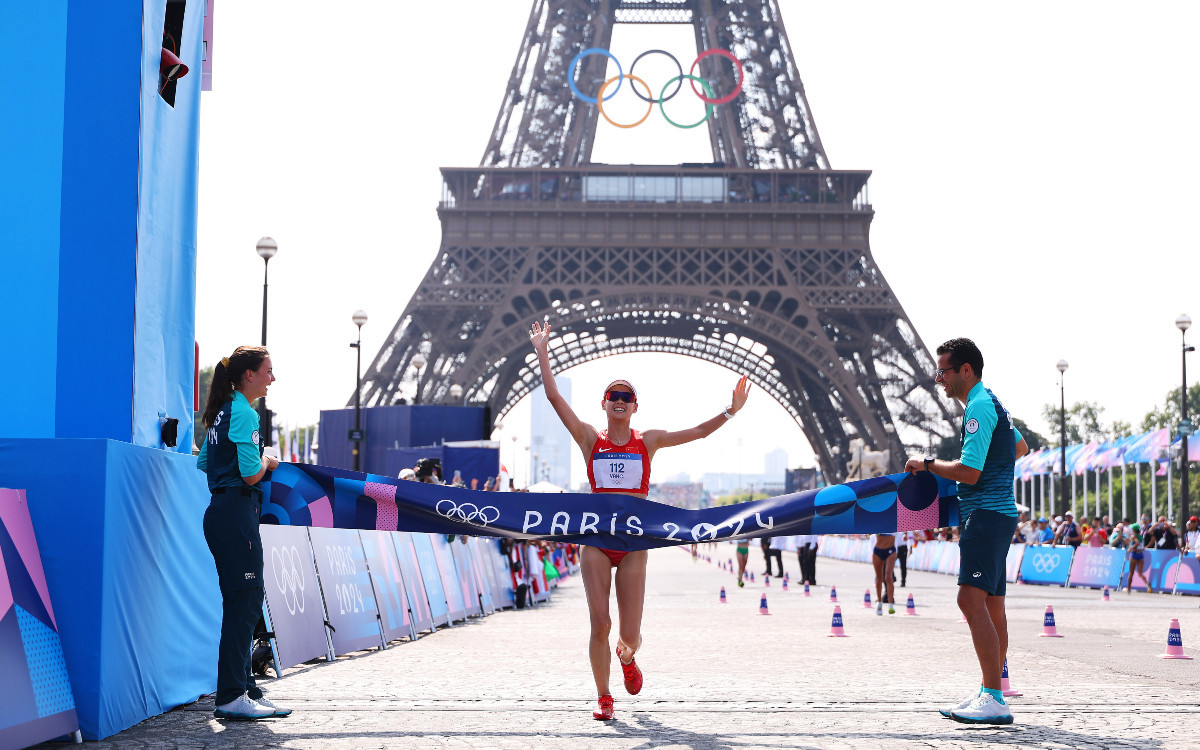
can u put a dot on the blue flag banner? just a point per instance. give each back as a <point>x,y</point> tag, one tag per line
<point>310,495</point>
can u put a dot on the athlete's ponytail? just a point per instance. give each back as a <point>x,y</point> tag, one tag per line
<point>227,374</point>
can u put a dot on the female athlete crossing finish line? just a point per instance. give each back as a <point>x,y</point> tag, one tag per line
<point>618,460</point>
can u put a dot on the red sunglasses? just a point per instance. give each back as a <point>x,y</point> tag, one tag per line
<point>622,396</point>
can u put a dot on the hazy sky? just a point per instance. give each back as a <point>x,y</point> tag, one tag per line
<point>1034,170</point>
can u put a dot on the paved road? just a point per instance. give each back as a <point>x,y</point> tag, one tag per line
<point>721,676</point>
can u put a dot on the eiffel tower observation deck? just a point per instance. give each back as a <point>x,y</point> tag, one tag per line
<point>758,261</point>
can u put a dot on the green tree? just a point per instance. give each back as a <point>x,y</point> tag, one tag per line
<point>1083,422</point>
<point>1169,415</point>
<point>1034,440</point>
<point>1120,428</point>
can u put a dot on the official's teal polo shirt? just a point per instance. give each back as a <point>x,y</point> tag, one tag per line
<point>232,447</point>
<point>989,444</point>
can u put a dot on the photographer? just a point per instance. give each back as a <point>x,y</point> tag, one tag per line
<point>429,470</point>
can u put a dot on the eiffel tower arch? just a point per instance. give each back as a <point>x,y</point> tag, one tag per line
<point>759,262</point>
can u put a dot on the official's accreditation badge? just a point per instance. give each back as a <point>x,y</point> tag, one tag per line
<point>255,437</point>
<point>972,426</point>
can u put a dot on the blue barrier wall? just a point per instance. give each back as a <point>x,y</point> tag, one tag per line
<point>133,584</point>
<point>389,427</point>
<point>33,64</point>
<point>97,198</point>
<point>473,463</point>
<point>168,160</point>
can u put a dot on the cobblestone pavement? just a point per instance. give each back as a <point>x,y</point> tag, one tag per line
<point>722,676</point>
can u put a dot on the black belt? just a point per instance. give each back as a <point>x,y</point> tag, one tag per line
<point>243,491</point>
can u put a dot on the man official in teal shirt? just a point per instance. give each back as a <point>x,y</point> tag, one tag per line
<point>988,512</point>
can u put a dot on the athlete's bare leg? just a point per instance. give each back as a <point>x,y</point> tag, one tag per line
<point>597,581</point>
<point>631,598</point>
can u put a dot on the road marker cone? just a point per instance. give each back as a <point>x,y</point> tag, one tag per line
<point>752,576</point>
<point>833,594</point>
<point>1106,594</point>
<point>762,605</point>
<point>1048,630</point>
<point>961,619</point>
<point>1174,643</point>
<point>785,583</point>
<point>835,629</point>
<point>767,581</point>
<point>722,594</point>
<point>910,609</point>
<point>1006,688</point>
<point>806,591</point>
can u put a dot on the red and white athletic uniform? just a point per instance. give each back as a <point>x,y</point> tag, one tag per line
<point>619,468</point>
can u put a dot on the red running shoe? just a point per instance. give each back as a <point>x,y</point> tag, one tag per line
<point>632,673</point>
<point>606,709</point>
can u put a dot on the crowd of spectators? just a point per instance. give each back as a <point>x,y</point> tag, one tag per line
<point>1100,531</point>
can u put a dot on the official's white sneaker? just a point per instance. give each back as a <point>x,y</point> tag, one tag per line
<point>957,707</point>
<point>243,708</point>
<point>983,709</point>
<point>266,703</point>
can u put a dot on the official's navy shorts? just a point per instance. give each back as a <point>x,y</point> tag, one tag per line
<point>983,549</point>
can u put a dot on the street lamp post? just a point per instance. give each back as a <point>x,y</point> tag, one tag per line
<point>1062,423</point>
<point>1183,323</point>
<point>266,249</point>
<point>418,361</point>
<point>359,319</point>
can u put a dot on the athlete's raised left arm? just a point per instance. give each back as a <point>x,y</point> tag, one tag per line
<point>655,439</point>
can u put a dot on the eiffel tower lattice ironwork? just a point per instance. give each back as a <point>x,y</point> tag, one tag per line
<point>759,262</point>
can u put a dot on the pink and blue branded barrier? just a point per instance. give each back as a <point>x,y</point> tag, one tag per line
<point>334,591</point>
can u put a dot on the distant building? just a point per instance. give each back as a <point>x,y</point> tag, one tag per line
<point>724,483</point>
<point>776,463</point>
<point>690,495</point>
<point>549,440</point>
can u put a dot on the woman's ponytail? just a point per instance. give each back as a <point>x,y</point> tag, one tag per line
<point>226,375</point>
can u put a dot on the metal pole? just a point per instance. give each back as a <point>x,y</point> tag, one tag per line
<point>264,412</point>
<point>1124,494</point>
<point>357,398</point>
<point>1184,510</point>
<point>1062,393</point>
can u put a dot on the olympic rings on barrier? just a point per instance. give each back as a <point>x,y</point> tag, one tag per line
<point>468,512</point>
<point>575,61</point>
<point>1045,563</point>
<point>736,89</point>
<point>632,78</point>
<point>708,107</point>
<point>710,100</point>
<point>678,67</point>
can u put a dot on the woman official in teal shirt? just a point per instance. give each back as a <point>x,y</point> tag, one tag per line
<point>232,457</point>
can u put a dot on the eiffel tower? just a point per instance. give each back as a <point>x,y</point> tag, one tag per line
<point>759,261</point>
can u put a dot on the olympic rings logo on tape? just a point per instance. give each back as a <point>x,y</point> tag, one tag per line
<point>289,577</point>
<point>1045,563</point>
<point>711,100</point>
<point>468,512</point>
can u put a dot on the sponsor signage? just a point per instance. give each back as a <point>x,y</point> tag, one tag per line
<point>1046,565</point>
<point>346,583</point>
<point>293,598</point>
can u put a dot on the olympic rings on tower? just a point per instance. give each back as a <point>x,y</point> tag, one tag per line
<point>711,100</point>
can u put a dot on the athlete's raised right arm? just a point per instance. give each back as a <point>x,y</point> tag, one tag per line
<point>583,433</point>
